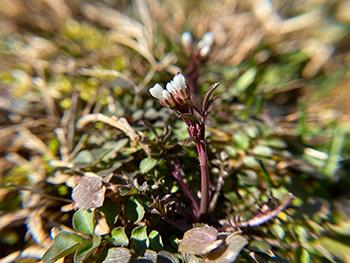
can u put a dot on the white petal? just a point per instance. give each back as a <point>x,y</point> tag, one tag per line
<point>204,51</point>
<point>170,87</point>
<point>166,95</point>
<point>179,81</point>
<point>186,39</point>
<point>156,91</point>
<point>207,40</point>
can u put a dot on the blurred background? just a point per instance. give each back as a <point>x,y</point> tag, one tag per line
<point>284,73</point>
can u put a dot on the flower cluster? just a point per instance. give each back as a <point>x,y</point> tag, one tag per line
<point>203,46</point>
<point>175,95</point>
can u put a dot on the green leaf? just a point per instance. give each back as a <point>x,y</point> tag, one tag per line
<point>147,164</point>
<point>304,256</point>
<point>156,241</point>
<point>241,140</point>
<point>139,239</point>
<point>111,210</point>
<point>339,249</point>
<point>133,210</point>
<point>244,81</point>
<point>126,190</point>
<point>118,254</point>
<point>114,148</point>
<point>83,221</point>
<point>250,162</point>
<point>86,249</point>
<point>64,244</point>
<point>83,158</point>
<point>262,150</point>
<point>338,142</point>
<point>118,237</point>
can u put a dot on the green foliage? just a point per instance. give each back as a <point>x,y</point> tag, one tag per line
<point>147,164</point>
<point>86,249</point>
<point>117,254</point>
<point>118,237</point>
<point>155,240</point>
<point>84,148</point>
<point>139,239</point>
<point>134,210</point>
<point>84,222</point>
<point>64,244</point>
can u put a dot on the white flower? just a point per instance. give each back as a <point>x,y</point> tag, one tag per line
<point>207,40</point>
<point>175,93</point>
<point>187,41</point>
<point>179,82</point>
<point>157,91</point>
<point>166,95</point>
<point>170,87</point>
<point>204,45</point>
<point>204,51</point>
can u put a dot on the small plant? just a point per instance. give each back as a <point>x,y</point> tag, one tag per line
<point>177,97</point>
<point>94,169</point>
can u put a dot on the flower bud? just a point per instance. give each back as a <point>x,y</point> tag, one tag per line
<point>175,95</point>
<point>187,41</point>
<point>204,45</point>
<point>156,91</point>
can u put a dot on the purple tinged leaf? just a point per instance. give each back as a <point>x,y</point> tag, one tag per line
<point>197,240</point>
<point>118,254</point>
<point>234,244</point>
<point>208,96</point>
<point>89,193</point>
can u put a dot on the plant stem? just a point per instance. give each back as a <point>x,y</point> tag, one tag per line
<point>192,76</point>
<point>203,161</point>
<point>184,187</point>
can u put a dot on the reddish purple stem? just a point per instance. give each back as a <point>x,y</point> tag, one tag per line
<point>192,75</point>
<point>203,161</point>
<point>176,173</point>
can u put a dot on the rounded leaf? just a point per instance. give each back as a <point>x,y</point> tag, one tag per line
<point>118,254</point>
<point>133,210</point>
<point>147,164</point>
<point>155,239</point>
<point>89,193</point>
<point>197,240</point>
<point>234,244</point>
<point>64,244</point>
<point>84,221</point>
<point>139,239</point>
<point>118,237</point>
